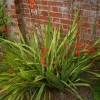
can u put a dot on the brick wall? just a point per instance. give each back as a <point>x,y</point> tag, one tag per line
<point>60,12</point>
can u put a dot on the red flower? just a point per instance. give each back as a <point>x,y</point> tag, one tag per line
<point>78,45</point>
<point>77,52</point>
<point>42,59</point>
<point>90,50</point>
<point>31,3</point>
<point>82,45</point>
<point>4,28</point>
<point>45,51</point>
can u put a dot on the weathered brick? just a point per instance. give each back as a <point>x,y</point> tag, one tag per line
<point>94,7</point>
<point>45,13</point>
<point>54,3</point>
<point>25,1</point>
<point>55,20</point>
<point>54,14</point>
<point>56,24</point>
<point>28,19</point>
<point>66,26</point>
<point>42,17</point>
<point>25,5</point>
<point>85,19</point>
<point>98,27</point>
<point>87,25</point>
<point>90,31</point>
<point>61,12</point>
<point>43,2</point>
<point>12,6</point>
<point>86,6</point>
<point>26,11</point>
<point>66,16</point>
<point>55,9</point>
<point>64,21</point>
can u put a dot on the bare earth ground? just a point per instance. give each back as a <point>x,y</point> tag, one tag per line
<point>84,92</point>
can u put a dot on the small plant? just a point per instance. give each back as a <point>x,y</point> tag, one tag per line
<point>49,61</point>
<point>4,19</point>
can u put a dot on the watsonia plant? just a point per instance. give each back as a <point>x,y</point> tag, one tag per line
<point>30,71</point>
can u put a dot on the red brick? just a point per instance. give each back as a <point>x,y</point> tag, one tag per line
<point>98,27</point>
<point>98,21</point>
<point>87,25</point>
<point>55,20</point>
<point>67,4</point>
<point>84,30</point>
<point>43,7</point>
<point>88,42</point>
<point>81,12</point>
<point>66,16</point>
<point>26,15</point>
<point>43,17</point>
<point>98,33</point>
<point>64,21</point>
<point>12,6</point>
<point>90,31</point>
<point>45,13</point>
<point>27,11</point>
<point>28,19</point>
<point>43,22</point>
<point>35,16</point>
<point>82,41</point>
<point>91,20</point>
<point>86,6</point>
<point>43,2</point>
<point>54,3</point>
<point>54,14</point>
<point>66,26</point>
<point>94,7</point>
<point>89,13</point>
<point>55,25</point>
<point>85,19</point>
<point>55,9</point>
<point>57,14</point>
<point>25,6</point>
<point>25,1</point>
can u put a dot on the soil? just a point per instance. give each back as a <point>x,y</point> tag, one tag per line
<point>84,92</point>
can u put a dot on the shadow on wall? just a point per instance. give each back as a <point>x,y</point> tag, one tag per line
<point>20,14</point>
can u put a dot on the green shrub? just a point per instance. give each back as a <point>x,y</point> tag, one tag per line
<point>49,61</point>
